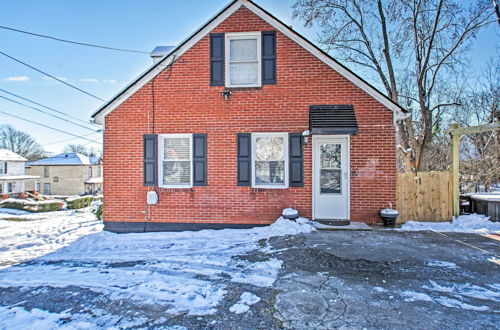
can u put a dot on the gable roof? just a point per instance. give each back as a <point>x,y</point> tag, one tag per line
<point>69,158</point>
<point>11,156</point>
<point>222,15</point>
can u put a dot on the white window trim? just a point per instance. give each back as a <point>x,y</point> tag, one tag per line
<point>285,147</point>
<point>3,165</point>
<point>161,141</point>
<point>227,52</point>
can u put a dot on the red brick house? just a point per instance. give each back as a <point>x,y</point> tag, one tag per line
<point>242,119</point>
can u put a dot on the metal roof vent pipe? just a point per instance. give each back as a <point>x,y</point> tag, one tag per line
<point>160,52</point>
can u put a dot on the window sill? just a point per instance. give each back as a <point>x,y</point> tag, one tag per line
<point>270,187</point>
<point>175,187</point>
<point>239,88</point>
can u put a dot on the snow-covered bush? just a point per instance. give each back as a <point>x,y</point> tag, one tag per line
<point>79,202</point>
<point>96,209</point>
<point>32,206</point>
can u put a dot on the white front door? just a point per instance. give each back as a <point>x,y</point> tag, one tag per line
<point>330,177</point>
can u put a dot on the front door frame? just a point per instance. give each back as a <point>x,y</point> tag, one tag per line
<point>347,139</point>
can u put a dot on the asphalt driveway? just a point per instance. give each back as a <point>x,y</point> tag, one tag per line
<point>319,280</point>
<point>389,279</point>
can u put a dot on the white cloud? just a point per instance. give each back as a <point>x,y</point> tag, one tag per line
<point>109,81</point>
<point>89,80</point>
<point>17,78</point>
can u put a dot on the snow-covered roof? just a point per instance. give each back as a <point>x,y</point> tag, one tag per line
<point>71,158</point>
<point>7,155</point>
<point>94,180</point>
<point>18,177</point>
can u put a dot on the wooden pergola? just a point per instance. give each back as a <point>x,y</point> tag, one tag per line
<point>455,131</point>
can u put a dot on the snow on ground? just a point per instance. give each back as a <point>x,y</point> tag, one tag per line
<point>19,318</point>
<point>247,299</point>
<point>187,271</point>
<point>25,236</point>
<point>462,296</point>
<point>473,223</point>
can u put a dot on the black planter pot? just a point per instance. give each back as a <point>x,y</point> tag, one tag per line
<point>389,218</point>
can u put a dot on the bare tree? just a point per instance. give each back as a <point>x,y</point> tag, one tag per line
<point>20,142</point>
<point>480,153</point>
<point>408,47</point>
<point>78,148</point>
<point>82,149</point>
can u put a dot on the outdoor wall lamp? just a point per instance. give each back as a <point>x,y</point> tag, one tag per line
<point>305,136</point>
<point>226,94</point>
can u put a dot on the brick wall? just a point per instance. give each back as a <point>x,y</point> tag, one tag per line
<point>184,102</point>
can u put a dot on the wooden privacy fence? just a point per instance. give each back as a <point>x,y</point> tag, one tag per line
<point>424,196</point>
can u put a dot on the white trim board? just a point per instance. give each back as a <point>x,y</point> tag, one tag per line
<point>154,70</point>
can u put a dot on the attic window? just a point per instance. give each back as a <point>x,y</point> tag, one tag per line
<point>243,59</point>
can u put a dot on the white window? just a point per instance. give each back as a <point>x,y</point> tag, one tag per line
<point>175,160</point>
<point>243,60</point>
<point>10,187</point>
<point>3,168</point>
<point>270,160</point>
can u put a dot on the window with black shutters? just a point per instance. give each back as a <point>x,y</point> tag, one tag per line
<point>270,160</point>
<point>176,159</point>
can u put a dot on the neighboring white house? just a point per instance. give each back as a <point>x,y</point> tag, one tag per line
<point>67,174</point>
<point>12,175</point>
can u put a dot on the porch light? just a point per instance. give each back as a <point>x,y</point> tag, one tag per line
<point>305,136</point>
<point>226,94</point>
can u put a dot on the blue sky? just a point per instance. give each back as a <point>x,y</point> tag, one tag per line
<point>139,25</point>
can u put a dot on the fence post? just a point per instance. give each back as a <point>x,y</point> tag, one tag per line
<point>455,172</point>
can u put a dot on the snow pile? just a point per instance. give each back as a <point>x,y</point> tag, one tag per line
<point>186,271</point>
<point>473,223</point>
<point>36,234</point>
<point>247,299</point>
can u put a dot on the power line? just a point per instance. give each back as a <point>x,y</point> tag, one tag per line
<point>55,129</point>
<point>46,107</point>
<point>51,76</point>
<point>73,42</point>
<point>45,112</point>
<point>66,140</point>
<point>95,141</point>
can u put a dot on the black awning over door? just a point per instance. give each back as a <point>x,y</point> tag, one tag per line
<point>332,119</point>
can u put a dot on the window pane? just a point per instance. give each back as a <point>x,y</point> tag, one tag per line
<point>177,149</point>
<point>330,182</point>
<point>243,50</point>
<point>269,148</point>
<point>243,73</point>
<point>176,172</point>
<point>330,156</point>
<point>269,172</point>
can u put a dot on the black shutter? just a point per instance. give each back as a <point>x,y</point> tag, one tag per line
<point>269,58</point>
<point>199,159</point>
<point>244,159</point>
<point>217,59</point>
<point>150,159</point>
<point>296,160</point>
